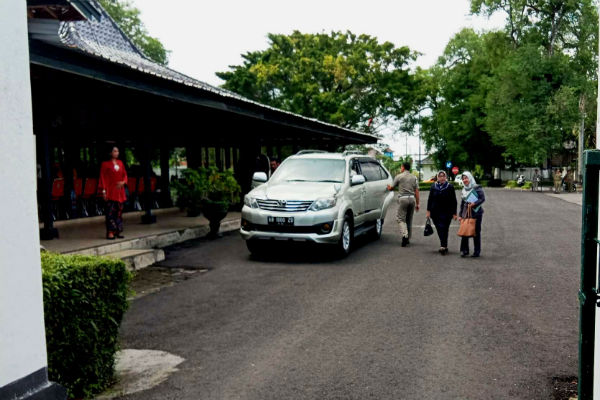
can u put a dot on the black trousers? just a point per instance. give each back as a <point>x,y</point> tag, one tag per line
<point>464,243</point>
<point>442,225</point>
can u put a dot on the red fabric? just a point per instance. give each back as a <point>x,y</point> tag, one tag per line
<point>109,176</point>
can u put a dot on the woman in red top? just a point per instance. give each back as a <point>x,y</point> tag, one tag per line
<point>113,178</point>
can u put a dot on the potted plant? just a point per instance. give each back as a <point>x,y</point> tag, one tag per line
<point>222,190</point>
<point>190,192</point>
<point>210,191</point>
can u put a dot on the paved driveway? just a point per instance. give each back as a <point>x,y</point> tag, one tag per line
<point>385,323</point>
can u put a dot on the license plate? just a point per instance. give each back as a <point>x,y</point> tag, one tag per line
<point>285,221</point>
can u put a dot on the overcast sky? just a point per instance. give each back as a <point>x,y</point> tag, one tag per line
<point>207,36</point>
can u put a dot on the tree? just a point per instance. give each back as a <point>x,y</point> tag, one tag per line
<point>531,107</point>
<point>457,90</point>
<point>528,94</point>
<point>341,78</point>
<point>128,18</point>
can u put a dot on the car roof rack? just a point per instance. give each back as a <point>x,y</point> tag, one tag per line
<point>310,152</point>
<point>357,152</point>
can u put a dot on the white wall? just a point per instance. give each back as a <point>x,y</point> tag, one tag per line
<point>22,339</point>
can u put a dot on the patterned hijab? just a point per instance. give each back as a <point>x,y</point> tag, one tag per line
<point>440,186</point>
<point>467,189</point>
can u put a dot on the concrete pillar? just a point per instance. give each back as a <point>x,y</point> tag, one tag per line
<point>228,158</point>
<point>165,178</point>
<point>23,362</point>
<point>148,217</point>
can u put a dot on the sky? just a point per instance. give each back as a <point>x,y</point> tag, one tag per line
<point>205,37</point>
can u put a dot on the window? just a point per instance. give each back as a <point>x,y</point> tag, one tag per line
<point>310,170</point>
<point>354,168</point>
<point>384,174</point>
<point>370,170</point>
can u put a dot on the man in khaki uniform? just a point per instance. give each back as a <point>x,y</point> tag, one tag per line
<point>557,181</point>
<point>408,200</point>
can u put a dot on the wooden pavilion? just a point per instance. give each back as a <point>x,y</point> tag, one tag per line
<point>91,86</point>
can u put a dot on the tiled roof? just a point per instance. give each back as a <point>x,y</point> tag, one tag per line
<point>104,39</point>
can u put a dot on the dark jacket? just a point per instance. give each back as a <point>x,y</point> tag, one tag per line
<point>442,202</point>
<point>477,209</point>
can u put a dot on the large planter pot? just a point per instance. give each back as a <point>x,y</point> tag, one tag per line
<point>193,211</point>
<point>215,211</point>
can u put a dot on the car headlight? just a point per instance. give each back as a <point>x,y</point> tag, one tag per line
<point>322,204</point>
<point>250,202</point>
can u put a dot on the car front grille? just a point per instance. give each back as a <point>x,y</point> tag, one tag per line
<point>284,205</point>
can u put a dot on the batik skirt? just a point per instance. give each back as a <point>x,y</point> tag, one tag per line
<point>114,217</point>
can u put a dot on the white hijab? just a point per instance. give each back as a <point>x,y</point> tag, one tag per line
<point>467,189</point>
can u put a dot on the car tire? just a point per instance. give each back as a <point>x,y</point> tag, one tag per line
<point>255,247</point>
<point>344,245</point>
<point>375,233</point>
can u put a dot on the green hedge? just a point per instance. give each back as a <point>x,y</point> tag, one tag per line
<point>85,298</point>
<point>511,184</point>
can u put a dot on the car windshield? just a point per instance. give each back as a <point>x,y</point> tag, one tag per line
<point>310,170</point>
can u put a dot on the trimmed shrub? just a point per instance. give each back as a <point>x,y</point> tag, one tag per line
<point>527,186</point>
<point>511,184</point>
<point>85,298</point>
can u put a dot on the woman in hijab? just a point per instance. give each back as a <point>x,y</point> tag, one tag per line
<point>472,197</point>
<point>441,208</point>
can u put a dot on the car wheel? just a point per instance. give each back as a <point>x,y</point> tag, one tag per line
<point>255,247</point>
<point>377,229</point>
<point>344,246</point>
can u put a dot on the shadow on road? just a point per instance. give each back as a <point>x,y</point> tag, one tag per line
<point>305,252</point>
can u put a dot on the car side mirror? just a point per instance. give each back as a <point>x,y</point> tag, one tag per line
<point>259,177</point>
<point>357,180</point>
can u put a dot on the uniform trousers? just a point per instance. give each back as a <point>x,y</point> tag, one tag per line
<point>406,209</point>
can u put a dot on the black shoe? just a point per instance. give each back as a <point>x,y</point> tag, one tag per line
<point>120,237</point>
<point>404,241</point>
<point>110,238</point>
<point>475,255</point>
<point>445,251</point>
<point>464,253</point>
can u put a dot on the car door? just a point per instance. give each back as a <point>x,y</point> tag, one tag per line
<point>357,194</point>
<point>376,188</point>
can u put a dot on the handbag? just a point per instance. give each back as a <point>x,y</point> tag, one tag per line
<point>428,228</point>
<point>467,225</point>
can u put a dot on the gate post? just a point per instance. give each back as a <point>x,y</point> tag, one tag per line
<point>588,284</point>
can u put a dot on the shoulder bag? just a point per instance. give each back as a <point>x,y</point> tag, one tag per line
<point>467,225</point>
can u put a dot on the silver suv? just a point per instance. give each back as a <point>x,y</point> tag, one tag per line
<point>318,197</point>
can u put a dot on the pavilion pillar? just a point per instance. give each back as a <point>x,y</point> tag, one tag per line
<point>23,356</point>
<point>218,158</point>
<point>193,155</point>
<point>227,157</point>
<point>48,232</point>
<point>247,164</point>
<point>165,177</point>
<point>147,218</point>
<point>236,159</point>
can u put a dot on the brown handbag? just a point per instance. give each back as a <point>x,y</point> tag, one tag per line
<point>467,225</point>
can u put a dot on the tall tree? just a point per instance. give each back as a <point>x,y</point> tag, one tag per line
<point>532,86</point>
<point>342,78</point>
<point>128,18</point>
<point>458,87</point>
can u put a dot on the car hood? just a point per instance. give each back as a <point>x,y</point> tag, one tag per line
<point>295,190</point>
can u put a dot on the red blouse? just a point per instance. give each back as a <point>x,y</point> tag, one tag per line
<point>110,174</point>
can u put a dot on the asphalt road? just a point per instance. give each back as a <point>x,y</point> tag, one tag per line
<point>385,323</point>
